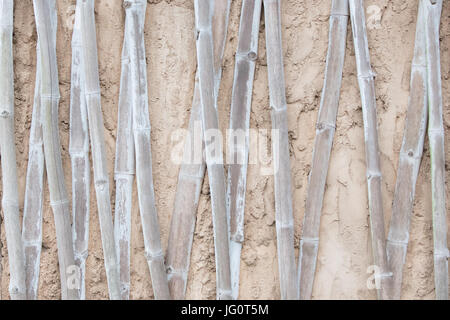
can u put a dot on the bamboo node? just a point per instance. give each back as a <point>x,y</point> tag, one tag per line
<point>372,175</point>
<point>5,114</point>
<point>339,13</point>
<point>92,93</point>
<point>384,275</point>
<point>400,243</point>
<point>59,203</point>
<point>154,257</point>
<point>123,174</point>
<point>252,56</point>
<point>101,184</point>
<point>323,125</point>
<point>310,240</point>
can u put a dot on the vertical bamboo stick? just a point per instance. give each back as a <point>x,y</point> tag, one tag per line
<point>124,171</point>
<point>141,128</point>
<point>79,154</point>
<point>433,11</point>
<point>192,170</point>
<point>10,200</point>
<point>241,103</point>
<point>214,157</point>
<point>373,171</point>
<point>95,119</point>
<point>45,13</point>
<point>409,162</point>
<point>280,151</point>
<point>325,129</point>
<point>32,211</point>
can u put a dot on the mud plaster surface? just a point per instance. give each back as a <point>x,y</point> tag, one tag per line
<point>345,249</point>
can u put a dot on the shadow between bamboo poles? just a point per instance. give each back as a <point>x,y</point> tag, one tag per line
<point>325,129</point>
<point>409,161</point>
<point>141,128</point>
<point>96,127</point>
<point>45,14</point>
<point>280,150</point>
<point>214,157</point>
<point>373,172</point>
<point>10,199</point>
<point>79,155</point>
<point>124,171</point>
<point>241,102</point>
<point>192,170</point>
<point>436,137</point>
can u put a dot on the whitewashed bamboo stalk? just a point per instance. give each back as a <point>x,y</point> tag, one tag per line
<point>192,170</point>
<point>79,154</point>
<point>433,10</point>
<point>280,152</point>
<point>241,103</point>
<point>325,129</point>
<point>96,127</point>
<point>45,13</point>
<point>373,171</point>
<point>32,211</point>
<point>135,20</point>
<point>124,172</point>
<point>10,200</point>
<point>214,152</point>
<point>409,161</point>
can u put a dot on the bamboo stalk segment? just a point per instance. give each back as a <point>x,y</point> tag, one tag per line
<point>95,120</point>
<point>325,129</point>
<point>409,162</point>
<point>124,172</point>
<point>32,211</point>
<point>280,150</point>
<point>433,11</point>
<point>10,200</point>
<point>79,154</point>
<point>241,102</point>
<point>45,13</point>
<point>141,129</point>
<point>192,171</point>
<point>214,157</point>
<point>373,171</point>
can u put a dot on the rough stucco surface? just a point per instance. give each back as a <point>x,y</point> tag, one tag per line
<point>345,249</point>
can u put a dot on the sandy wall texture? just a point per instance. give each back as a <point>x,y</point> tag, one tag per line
<point>345,249</point>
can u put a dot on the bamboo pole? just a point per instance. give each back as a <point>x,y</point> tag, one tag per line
<point>79,154</point>
<point>373,171</point>
<point>409,162</point>
<point>241,103</point>
<point>45,13</point>
<point>433,10</point>
<point>141,127</point>
<point>325,129</point>
<point>32,211</point>
<point>124,171</point>
<point>95,120</point>
<point>214,152</point>
<point>280,150</point>
<point>10,200</point>
<point>192,170</point>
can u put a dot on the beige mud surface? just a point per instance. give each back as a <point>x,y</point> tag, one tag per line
<point>345,249</point>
